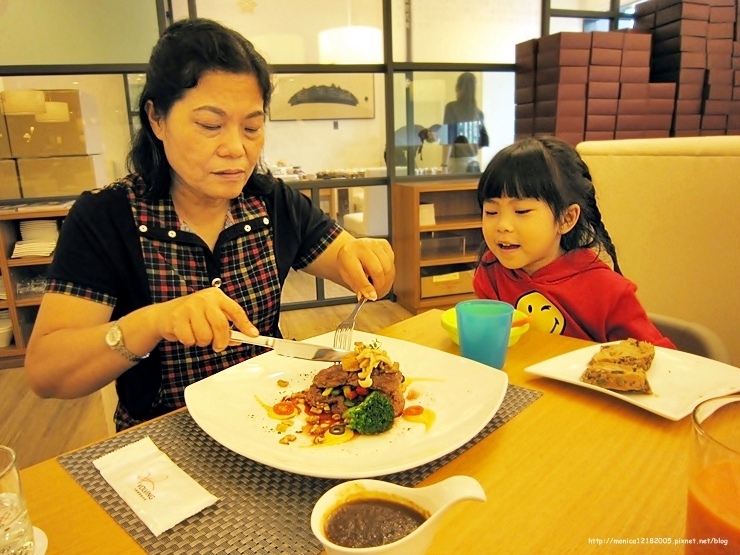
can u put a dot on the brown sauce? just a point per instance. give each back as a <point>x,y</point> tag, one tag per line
<point>371,522</point>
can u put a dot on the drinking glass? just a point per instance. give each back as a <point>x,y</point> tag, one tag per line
<point>484,327</point>
<point>713,508</point>
<point>16,532</point>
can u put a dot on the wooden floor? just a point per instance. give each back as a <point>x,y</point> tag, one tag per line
<point>39,429</point>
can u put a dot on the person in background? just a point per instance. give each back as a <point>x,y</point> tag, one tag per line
<point>410,141</point>
<point>543,237</point>
<point>465,131</point>
<point>152,272</point>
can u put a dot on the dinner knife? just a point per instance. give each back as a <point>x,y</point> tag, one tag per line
<point>295,349</point>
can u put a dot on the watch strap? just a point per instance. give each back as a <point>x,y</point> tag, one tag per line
<point>121,349</point>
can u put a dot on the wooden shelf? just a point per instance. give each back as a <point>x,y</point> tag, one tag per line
<point>29,261</point>
<point>14,270</point>
<point>456,213</point>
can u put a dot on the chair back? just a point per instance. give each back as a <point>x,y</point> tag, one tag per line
<point>692,337</point>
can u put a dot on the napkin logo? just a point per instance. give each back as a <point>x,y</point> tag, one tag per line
<point>146,484</point>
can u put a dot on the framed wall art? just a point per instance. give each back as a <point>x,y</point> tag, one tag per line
<point>323,96</point>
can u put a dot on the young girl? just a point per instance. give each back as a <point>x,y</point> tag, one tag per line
<point>545,244</point>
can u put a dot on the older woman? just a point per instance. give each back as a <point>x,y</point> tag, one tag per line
<point>151,272</point>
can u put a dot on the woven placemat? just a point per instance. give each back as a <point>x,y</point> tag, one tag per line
<point>261,510</point>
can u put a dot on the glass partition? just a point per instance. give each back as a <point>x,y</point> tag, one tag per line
<point>434,133</point>
<point>300,32</point>
<point>66,133</point>
<point>327,126</point>
<point>462,31</point>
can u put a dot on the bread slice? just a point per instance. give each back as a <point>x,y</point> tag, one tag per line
<point>621,366</point>
<point>629,352</point>
<point>616,377</point>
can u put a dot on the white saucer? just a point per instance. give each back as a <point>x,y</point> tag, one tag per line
<point>40,541</point>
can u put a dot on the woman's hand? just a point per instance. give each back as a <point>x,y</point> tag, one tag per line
<point>367,267</point>
<point>202,318</point>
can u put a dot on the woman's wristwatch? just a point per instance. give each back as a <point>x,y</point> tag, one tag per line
<point>114,340</point>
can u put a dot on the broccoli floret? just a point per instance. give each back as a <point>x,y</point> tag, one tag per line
<point>373,416</point>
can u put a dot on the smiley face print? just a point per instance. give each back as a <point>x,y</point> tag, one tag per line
<point>546,316</point>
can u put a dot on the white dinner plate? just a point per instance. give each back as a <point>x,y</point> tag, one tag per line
<point>679,380</point>
<point>463,394</point>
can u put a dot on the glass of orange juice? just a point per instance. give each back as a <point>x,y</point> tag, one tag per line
<point>713,510</point>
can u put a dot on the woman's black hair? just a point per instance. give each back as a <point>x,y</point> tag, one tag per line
<point>186,50</point>
<point>550,170</point>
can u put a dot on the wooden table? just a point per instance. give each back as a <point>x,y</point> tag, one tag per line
<point>573,469</point>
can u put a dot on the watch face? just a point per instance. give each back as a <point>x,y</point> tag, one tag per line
<point>113,337</point>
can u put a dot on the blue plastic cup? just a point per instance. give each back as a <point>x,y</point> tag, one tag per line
<point>484,327</point>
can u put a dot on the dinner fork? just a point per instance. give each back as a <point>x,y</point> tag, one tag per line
<point>343,335</point>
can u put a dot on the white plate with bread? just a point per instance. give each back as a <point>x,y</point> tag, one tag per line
<point>677,381</point>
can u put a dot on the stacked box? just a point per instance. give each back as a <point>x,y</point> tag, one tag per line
<point>603,85</point>
<point>644,109</point>
<point>58,155</point>
<point>524,81</point>
<point>560,90</point>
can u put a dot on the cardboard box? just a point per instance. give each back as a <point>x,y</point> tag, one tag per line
<point>647,90</point>
<point>61,175</point>
<point>645,8</point>
<point>656,133</point>
<point>632,106</point>
<point>566,57</point>
<point>714,122</point>
<point>718,61</point>
<point>599,135</point>
<point>81,135</point>
<point>603,90</point>
<point>561,108</point>
<point>722,14</point>
<point>689,91</point>
<point>645,22</point>
<point>718,92</point>
<point>717,107</point>
<point>571,138</point>
<point>565,91</point>
<point>526,49</point>
<point>642,122</point>
<point>636,58</point>
<point>680,76</point>
<point>688,107</point>
<point>622,134</point>
<point>682,10</point>
<point>688,122</point>
<point>712,132</point>
<point>601,123</point>
<point>613,40</point>
<point>634,74</point>
<point>558,41</point>
<point>606,57</point>
<point>452,283</point>
<point>679,60</point>
<point>553,125</point>
<point>680,44</point>
<point>9,184</point>
<point>603,74</point>
<point>720,30</point>
<point>602,106</point>
<point>637,40</point>
<point>661,105</point>
<point>524,126</point>
<point>682,27</point>
<point>524,111</point>
<point>720,46</point>
<point>4,142</point>
<point>524,95</point>
<point>524,79</point>
<point>562,75</point>
<point>721,77</point>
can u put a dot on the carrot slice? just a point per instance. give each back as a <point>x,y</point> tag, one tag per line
<point>283,408</point>
<point>413,410</point>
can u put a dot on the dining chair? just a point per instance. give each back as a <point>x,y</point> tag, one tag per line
<point>692,337</point>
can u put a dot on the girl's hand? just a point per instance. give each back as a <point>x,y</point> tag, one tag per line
<point>202,318</point>
<point>367,267</point>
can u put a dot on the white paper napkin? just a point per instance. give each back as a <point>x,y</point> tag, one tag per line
<point>157,490</point>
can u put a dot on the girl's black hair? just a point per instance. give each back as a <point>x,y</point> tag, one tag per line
<point>186,50</point>
<point>552,171</point>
